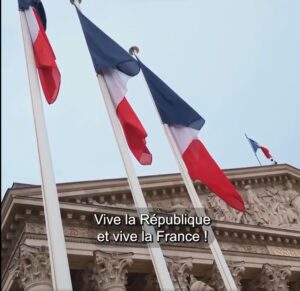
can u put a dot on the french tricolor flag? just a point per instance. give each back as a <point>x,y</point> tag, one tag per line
<point>255,146</point>
<point>44,56</point>
<point>117,67</point>
<point>185,123</point>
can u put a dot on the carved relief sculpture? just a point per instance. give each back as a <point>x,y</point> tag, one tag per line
<point>293,197</point>
<point>271,278</point>
<point>273,205</point>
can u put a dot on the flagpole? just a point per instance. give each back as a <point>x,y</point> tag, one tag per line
<point>258,159</point>
<point>155,251</point>
<point>212,241</point>
<point>60,271</point>
<point>154,248</point>
<point>253,151</point>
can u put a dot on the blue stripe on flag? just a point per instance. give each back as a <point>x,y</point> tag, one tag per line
<point>255,146</point>
<point>172,109</point>
<point>105,52</point>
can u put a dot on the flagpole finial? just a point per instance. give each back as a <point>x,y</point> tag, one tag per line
<point>75,2</point>
<point>134,50</point>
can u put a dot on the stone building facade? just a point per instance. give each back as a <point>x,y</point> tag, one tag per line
<point>261,245</point>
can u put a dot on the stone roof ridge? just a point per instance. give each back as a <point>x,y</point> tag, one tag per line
<point>22,185</point>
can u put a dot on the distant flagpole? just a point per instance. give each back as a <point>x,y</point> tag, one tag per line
<point>60,271</point>
<point>253,150</point>
<point>212,241</point>
<point>155,251</point>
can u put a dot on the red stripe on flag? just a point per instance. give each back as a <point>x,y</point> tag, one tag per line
<point>134,132</point>
<point>202,166</point>
<point>45,61</point>
<point>266,152</point>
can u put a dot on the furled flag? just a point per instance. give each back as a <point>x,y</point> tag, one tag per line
<point>255,146</point>
<point>185,123</point>
<point>43,53</point>
<point>117,66</point>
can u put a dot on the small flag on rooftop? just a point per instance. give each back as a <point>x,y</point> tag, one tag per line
<point>256,146</point>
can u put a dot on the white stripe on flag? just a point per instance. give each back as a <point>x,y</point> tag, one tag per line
<point>117,84</point>
<point>32,24</point>
<point>184,136</point>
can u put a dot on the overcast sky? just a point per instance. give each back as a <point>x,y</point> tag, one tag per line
<point>236,62</point>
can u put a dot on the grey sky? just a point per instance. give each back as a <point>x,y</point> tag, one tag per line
<point>236,62</point>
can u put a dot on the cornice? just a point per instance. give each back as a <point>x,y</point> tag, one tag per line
<point>79,214</point>
<point>151,182</point>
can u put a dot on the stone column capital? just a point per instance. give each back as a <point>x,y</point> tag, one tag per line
<point>180,270</point>
<point>109,271</point>
<point>31,267</point>
<point>237,270</point>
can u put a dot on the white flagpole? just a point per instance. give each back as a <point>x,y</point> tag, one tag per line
<point>156,254</point>
<point>212,241</point>
<point>60,271</point>
<point>155,251</point>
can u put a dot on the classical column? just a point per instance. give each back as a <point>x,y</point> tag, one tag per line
<point>108,272</point>
<point>31,267</point>
<point>237,269</point>
<point>180,270</point>
<point>271,278</point>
